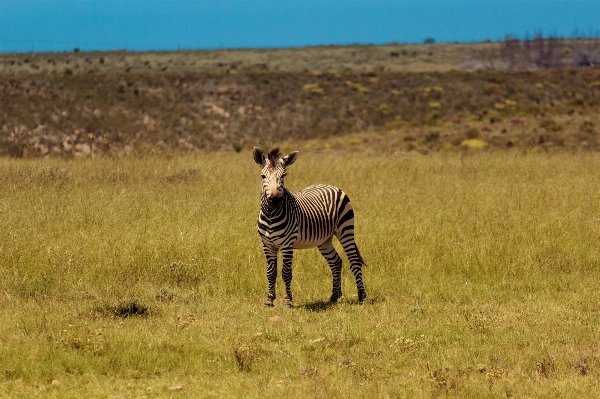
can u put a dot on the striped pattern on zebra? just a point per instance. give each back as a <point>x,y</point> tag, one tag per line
<point>305,219</point>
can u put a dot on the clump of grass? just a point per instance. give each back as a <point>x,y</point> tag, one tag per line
<point>244,357</point>
<point>585,365</point>
<point>125,309</point>
<point>546,367</point>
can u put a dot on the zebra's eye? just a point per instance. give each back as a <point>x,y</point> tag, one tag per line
<point>263,177</point>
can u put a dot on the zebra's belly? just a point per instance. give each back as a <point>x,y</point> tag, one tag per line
<point>314,232</point>
<point>279,241</point>
<point>305,244</point>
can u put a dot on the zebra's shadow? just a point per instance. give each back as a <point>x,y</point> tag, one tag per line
<point>318,306</point>
<point>323,306</point>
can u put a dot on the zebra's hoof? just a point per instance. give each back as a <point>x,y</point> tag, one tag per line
<point>269,303</point>
<point>333,299</point>
<point>288,303</point>
<point>361,298</point>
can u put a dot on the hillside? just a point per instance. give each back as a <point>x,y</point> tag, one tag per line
<point>385,98</point>
<point>430,57</point>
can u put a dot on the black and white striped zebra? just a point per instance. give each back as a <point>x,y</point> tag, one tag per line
<point>305,219</point>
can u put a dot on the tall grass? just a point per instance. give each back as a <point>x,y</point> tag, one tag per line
<point>128,277</point>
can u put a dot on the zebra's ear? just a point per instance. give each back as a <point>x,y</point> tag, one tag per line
<point>289,159</point>
<point>259,156</point>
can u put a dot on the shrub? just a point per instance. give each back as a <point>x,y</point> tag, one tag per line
<point>537,52</point>
<point>587,127</point>
<point>472,133</point>
<point>551,126</point>
<point>313,88</point>
<point>433,136</point>
<point>586,56</point>
<point>473,143</point>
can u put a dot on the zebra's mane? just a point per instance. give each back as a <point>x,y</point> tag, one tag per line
<point>274,156</point>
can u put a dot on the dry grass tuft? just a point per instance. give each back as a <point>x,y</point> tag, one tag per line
<point>125,309</point>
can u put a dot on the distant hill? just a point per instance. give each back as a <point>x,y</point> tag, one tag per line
<point>391,57</point>
<point>391,98</point>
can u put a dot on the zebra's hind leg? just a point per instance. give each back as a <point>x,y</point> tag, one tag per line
<point>356,268</point>
<point>335,264</point>
<point>356,263</point>
<point>286,274</point>
<point>271,256</point>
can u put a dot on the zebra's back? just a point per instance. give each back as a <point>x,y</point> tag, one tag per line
<point>320,209</point>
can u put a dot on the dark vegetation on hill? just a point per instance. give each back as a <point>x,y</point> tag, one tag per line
<point>511,53</point>
<point>66,113</point>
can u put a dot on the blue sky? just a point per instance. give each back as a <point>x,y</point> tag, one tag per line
<point>56,25</point>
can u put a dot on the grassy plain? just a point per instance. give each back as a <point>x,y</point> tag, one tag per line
<point>144,277</point>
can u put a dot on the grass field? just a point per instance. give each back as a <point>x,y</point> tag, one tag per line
<point>144,277</point>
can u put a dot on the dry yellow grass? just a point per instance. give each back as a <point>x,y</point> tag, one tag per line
<point>139,273</point>
<point>130,277</point>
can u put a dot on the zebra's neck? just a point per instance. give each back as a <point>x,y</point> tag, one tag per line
<point>269,209</point>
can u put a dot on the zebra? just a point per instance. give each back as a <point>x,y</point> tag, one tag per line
<point>305,219</point>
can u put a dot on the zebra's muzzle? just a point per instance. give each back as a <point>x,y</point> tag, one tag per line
<point>274,201</point>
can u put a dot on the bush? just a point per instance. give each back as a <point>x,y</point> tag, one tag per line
<point>537,52</point>
<point>472,133</point>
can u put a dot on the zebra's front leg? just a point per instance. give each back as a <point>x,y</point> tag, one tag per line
<point>335,264</point>
<point>271,255</point>
<point>286,273</point>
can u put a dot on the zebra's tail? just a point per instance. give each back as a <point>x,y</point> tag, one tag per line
<point>360,256</point>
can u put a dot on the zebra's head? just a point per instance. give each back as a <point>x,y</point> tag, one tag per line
<point>273,170</point>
